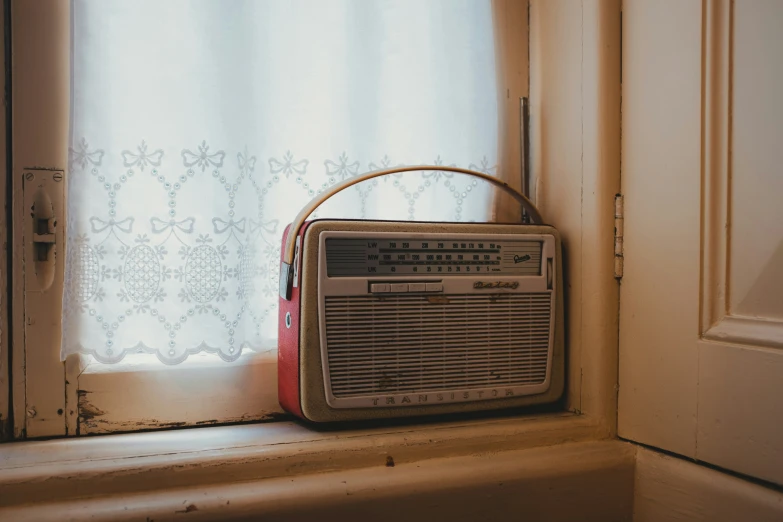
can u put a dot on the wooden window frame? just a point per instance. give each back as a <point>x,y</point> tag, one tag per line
<point>586,161</point>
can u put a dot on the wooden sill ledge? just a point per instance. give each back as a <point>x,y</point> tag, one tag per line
<point>92,467</point>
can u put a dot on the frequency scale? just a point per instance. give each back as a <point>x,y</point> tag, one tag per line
<point>451,255</point>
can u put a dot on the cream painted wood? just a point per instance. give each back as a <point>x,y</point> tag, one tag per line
<point>740,409</point>
<point>755,262</point>
<point>669,489</point>
<point>497,469</point>
<point>742,239</point>
<point>112,465</point>
<point>601,100</point>
<point>661,149</point>
<point>556,152</point>
<point>701,370</point>
<point>586,482</point>
<point>589,481</point>
<point>164,397</point>
<point>510,23</point>
<point>40,98</point>
<point>575,142</point>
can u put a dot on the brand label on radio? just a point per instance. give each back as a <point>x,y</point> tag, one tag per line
<point>429,398</point>
<point>481,285</point>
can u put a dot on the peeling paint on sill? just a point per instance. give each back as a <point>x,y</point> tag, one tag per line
<point>91,423</point>
<point>87,411</point>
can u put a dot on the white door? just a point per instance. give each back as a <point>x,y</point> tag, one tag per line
<point>701,302</point>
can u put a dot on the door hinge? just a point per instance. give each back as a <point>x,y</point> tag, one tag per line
<point>618,236</point>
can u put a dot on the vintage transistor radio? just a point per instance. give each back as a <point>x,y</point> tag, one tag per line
<point>382,319</point>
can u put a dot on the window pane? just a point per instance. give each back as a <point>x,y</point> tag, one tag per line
<point>199,129</point>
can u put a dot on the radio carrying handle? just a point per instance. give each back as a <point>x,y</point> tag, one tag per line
<point>286,267</point>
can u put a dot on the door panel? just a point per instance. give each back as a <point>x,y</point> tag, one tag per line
<point>755,286</point>
<point>741,409</point>
<point>701,308</point>
<point>660,151</point>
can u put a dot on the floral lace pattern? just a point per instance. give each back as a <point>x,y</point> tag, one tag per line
<point>171,275</point>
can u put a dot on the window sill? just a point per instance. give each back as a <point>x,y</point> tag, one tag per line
<point>62,470</point>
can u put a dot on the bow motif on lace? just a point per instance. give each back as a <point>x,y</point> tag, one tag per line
<point>269,227</point>
<point>436,174</point>
<point>99,225</point>
<point>221,226</point>
<point>143,158</point>
<point>247,163</point>
<point>484,167</point>
<point>342,168</point>
<point>385,164</point>
<point>81,155</point>
<point>288,166</point>
<point>159,225</point>
<point>203,159</point>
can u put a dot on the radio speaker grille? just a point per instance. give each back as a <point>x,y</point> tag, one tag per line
<point>416,343</point>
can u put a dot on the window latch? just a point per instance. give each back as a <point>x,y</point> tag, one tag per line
<point>43,197</point>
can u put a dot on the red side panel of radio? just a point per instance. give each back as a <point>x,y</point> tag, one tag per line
<point>288,344</point>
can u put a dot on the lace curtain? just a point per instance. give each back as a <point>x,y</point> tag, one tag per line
<point>200,127</point>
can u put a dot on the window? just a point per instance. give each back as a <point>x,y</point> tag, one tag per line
<point>191,132</point>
